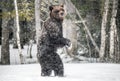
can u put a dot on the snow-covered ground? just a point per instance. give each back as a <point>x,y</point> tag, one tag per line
<point>73,72</point>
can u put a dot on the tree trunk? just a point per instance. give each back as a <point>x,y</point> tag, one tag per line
<point>0,25</point>
<point>6,28</point>
<point>18,33</point>
<point>70,31</point>
<point>37,20</point>
<point>118,29</point>
<point>5,54</point>
<point>113,30</point>
<point>103,30</point>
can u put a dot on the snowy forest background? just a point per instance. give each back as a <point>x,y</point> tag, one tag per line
<point>93,26</point>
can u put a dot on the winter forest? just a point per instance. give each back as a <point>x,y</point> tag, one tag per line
<point>93,27</point>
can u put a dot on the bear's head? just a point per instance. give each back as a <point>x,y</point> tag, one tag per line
<point>57,12</point>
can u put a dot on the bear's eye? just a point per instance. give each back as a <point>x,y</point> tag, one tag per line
<point>62,10</point>
<point>57,11</point>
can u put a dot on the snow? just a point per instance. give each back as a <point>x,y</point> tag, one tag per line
<point>73,72</point>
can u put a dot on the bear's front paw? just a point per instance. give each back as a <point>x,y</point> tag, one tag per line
<point>68,42</point>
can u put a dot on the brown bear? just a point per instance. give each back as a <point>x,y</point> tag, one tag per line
<point>50,40</point>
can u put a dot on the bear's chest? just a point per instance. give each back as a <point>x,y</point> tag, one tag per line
<point>57,28</point>
<point>54,27</point>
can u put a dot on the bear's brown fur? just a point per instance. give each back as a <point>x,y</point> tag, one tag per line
<point>50,40</point>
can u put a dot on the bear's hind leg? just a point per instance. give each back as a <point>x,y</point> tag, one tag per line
<point>59,71</point>
<point>58,66</point>
<point>45,71</point>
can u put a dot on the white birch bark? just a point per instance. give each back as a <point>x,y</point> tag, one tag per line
<point>37,19</point>
<point>70,33</point>
<point>18,32</point>
<point>69,29</point>
<point>103,29</point>
<point>113,29</point>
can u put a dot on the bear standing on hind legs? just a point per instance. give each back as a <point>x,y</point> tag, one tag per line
<point>50,40</point>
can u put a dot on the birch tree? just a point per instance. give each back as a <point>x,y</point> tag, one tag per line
<point>103,29</point>
<point>18,32</point>
<point>37,19</point>
<point>113,29</point>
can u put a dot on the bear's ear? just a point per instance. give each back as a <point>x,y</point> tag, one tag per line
<point>51,8</point>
